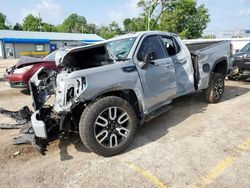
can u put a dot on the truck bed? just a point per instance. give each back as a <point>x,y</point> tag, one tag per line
<point>194,46</point>
<point>205,55</point>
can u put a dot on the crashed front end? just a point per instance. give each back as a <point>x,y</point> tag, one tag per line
<point>70,89</point>
<point>48,120</point>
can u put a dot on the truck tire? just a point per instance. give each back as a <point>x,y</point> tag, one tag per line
<point>107,126</point>
<point>215,89</point>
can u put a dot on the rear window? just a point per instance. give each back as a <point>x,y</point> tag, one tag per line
<point>171,45</point>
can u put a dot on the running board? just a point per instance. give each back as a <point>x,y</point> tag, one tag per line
<point>157,112</point>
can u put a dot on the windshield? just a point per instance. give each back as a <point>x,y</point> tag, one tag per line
<point>51,56</point>
<point>246,48</point>
<point>120,48</point>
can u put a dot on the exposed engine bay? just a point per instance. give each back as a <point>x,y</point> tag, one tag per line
<point>92,57</point>
<point>62,116</point>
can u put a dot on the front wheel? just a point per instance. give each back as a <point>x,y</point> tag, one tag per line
<point>215,89</point>
<point>107,126</point>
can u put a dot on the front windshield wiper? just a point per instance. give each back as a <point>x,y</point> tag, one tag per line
<point>123,59</point>
<point>120,53</point>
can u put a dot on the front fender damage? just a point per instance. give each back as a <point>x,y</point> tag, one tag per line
<point>51,121</point>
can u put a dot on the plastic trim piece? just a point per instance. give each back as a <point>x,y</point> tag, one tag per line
<point>38,125</point>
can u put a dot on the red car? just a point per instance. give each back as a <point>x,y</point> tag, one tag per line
<point>20,74</point>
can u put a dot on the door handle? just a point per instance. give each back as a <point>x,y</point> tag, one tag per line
<point>153,63</point>
<point>168,65</point>
<point>182,61</point>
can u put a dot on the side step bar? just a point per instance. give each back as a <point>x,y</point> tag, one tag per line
<point>157,112</point>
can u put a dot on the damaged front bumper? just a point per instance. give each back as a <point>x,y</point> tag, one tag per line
<point>23,118</point>
<point>38,125</point>
<point>47,122</point>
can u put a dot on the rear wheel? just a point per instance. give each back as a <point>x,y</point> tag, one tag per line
<point>108,125</point>
<point>215,90</point>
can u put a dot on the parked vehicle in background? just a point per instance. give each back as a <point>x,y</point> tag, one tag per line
<point>241,64</point>
<point>20,74</point>
<point>104,91</point>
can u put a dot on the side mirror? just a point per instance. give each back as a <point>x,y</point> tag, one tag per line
<point>148,58</point>
<point>236,51</point>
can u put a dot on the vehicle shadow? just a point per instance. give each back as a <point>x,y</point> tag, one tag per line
<point>232,92</point>
<point>25,91</point>
<point>183,108</point>
<point>67,140</point>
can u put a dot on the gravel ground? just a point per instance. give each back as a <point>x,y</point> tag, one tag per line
<point>192,145</point>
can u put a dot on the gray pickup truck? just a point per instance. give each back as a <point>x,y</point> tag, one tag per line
<point>104,91</point>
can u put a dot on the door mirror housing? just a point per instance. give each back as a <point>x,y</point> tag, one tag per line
<point>237,51</point>
<point>148,58</point>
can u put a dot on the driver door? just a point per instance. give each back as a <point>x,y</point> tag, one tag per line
<point>158,76</point>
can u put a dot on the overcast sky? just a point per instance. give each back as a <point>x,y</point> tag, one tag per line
<point>224,14</point>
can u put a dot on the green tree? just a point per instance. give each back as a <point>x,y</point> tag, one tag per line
<point>104,32</point>
<point>49,27</point>
<point>3,24</point>
<point>109,31</point>
<point>31,23</point>
<point>152,11</point>
<point>114,27</point>
<point>135,24</point>
<point>185,18</point>
<point>17,27</point>
<point>74,24</point>
<point>91,28</point>
<point>209,36</point>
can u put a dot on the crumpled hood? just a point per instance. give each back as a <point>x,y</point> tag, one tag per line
<point>26,60</point>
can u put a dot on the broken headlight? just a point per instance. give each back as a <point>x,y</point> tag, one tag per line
<point>23,69</point>
<point>70,94</point>
<point>69,90</point>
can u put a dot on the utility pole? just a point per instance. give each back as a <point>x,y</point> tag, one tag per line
<point>40,27</point>
<point>149,16</point>
<point>148,22</point>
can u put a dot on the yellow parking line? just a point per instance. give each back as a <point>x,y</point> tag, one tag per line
<point>215,172</point>
<point>156,181</point>
<point>221,166</point>
<point>245,145</point>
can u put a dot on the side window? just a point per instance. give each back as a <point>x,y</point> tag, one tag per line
<point>171,45</point>
<point>151,44</point>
